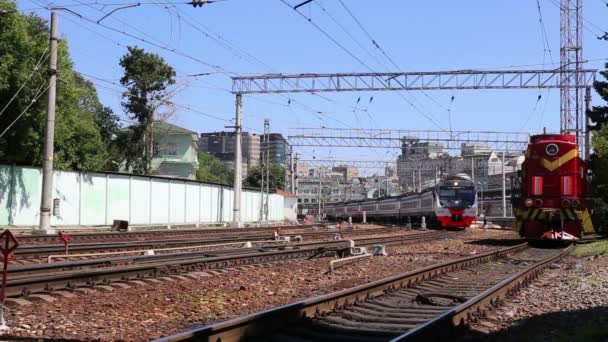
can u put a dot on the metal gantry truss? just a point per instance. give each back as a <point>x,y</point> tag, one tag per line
<point>361,164</point>
<point>388,138</point>
<point>571,61</point>
<point>433,80</point>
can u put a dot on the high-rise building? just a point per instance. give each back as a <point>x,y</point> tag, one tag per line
<point>279,149</point>
<point>222,146</point>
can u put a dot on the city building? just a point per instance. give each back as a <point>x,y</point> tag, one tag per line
<point>175,151</point>
<point>302,169</point>
<point>222,146</point>
<point>279,149</point>
<point>348,172</point>
<point>423,165</point>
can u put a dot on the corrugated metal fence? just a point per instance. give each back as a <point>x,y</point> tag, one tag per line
<point>90,199</point>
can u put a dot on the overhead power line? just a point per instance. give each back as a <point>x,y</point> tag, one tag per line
<point>342,47</point>
<point>29,77</point>
<point>38,94</point>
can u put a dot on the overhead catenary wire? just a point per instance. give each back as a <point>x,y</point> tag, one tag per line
<point>382,51</point>
<point>39,94</point>
<point>29,77</point>
<point>342,47</point>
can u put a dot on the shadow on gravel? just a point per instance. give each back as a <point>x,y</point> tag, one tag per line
<point>37,339</point>
<point>496,242</point>
<point>572,326</point>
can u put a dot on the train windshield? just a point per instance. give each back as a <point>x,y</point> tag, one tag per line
<point>459,196</point>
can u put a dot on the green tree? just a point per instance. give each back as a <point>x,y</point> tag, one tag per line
<point>276,177</point>
<point>211,169</point>
<point>598,163</point>
<point>23,47</point>
<point>147,79</point>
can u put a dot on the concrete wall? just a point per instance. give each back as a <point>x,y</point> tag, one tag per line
<point>290,208</point>
<point>91,199</point>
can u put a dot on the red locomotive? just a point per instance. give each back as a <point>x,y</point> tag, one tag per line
<point>550,201</point>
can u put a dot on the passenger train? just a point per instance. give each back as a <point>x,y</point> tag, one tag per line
<point>452,203</point>
<point>550,194</point>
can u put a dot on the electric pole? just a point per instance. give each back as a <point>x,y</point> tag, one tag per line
<point>49,143</point>
<point>292,169</point>
<point>504,187</point>
<point>267,164</point>
<point>238,168</point>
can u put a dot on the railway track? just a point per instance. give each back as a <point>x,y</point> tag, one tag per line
<point>39,253</point>
<point>40,278</point>
<point>144,235</point>
<point>422,305</point>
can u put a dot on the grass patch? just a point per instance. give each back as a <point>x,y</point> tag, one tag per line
<point>599,247</point>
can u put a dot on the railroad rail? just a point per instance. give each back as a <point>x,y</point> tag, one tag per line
<point>23,253</point>
<point>29,279</point>
<point>142,235</point>
<point>421,305</point>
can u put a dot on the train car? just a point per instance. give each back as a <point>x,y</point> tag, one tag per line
<point>456,201</point>
<point>550,192</point>
<point>452,203</point>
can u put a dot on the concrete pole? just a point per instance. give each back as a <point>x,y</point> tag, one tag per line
<point>238,168</point>
<point>293,172</point>
<point>319,198</point>
<point>472,169</point>
<point>420,178</point>
<point>589,108</point>
<point>49,144</point>
<point>504,188</point>
<point>386,180</point>
<point>414,180</point>
<point>267,163</point>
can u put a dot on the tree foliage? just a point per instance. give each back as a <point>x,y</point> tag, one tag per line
<point>211,169</point>
<point>276,177</point>
<point>79,132</point>
<point>147,78</point>
<point>598,163</point>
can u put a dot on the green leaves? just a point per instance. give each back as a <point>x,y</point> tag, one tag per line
<point>276,178</point>
<point>83,126</point>
<point>147,78</point>
<point>212,170</point>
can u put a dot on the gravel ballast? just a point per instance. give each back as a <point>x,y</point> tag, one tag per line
<point>144,312</point>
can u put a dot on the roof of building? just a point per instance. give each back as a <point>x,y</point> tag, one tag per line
<point>170,128</point>
<point>285,193</point>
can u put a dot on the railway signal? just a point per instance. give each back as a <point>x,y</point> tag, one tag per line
<point>8,244</point>
<point>66,240</point>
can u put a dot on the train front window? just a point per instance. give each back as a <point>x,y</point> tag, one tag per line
<point>461,196</point>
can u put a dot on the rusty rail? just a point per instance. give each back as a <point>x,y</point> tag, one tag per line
<point>268,321</point>
<point>442,326</point>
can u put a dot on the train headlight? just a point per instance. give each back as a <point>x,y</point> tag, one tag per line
<point>538,202</point>
<point>575,203</point>
<point>552,149</point>
<point>565,203</point>
<point>529,202</point>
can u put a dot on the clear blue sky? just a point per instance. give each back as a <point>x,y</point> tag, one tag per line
<point>419,36</point>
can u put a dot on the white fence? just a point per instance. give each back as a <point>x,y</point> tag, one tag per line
<point>91,199</point>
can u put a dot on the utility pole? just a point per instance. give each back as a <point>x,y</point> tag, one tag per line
<point>386,180</point>
<point>292,169</point>
<point>504,186</point>
<point>238,168</point>
<point>49,144</point>
<point>319,197</point>
<point>267,163</point>
<point>472,168</point>
<point>262,162</point>
<point>420,178</point>
<point>413,180</point>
